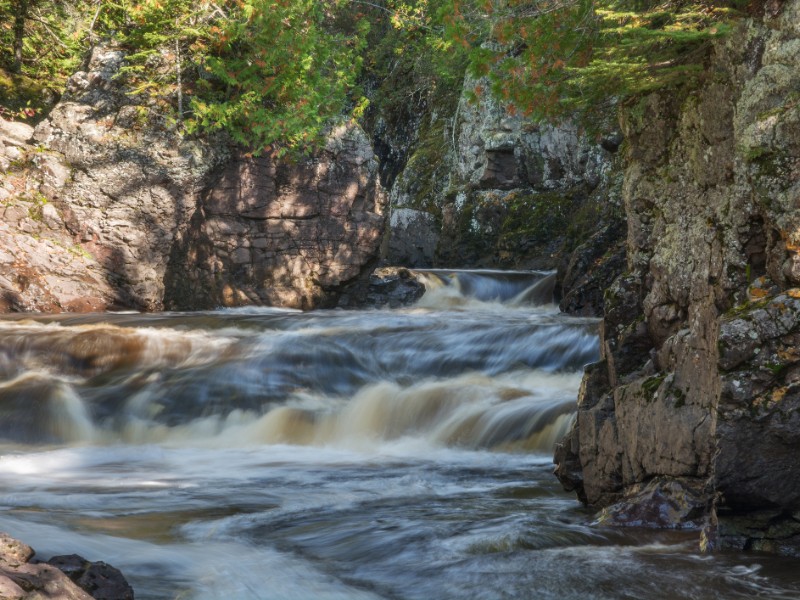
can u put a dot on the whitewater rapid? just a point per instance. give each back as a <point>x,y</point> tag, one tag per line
<point>269,454</point>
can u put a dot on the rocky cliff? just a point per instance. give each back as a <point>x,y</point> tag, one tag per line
<point>482,187</point>
<point>282,234</point>
<point>692,413</point>
<point>106,205</point>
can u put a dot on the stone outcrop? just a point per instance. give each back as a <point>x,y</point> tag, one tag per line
<point>133,182</point>
<point>489,189</point>
<point>106,205</point>
<point>99,579</point>
<point>42,267</point>
<point>282,234</point>
<point>697,389</point>
<point>392,287</point>
<point>22,577</point>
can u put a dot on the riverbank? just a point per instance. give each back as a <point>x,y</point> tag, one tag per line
<point>23,576</point>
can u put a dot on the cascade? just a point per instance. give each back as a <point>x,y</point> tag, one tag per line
<point>265,453</point>
<point>487,375</point>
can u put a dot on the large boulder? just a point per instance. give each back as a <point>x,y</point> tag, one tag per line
<point>22,579</point>
<point>100,579</point>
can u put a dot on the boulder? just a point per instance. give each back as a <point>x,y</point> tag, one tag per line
<point>15,133</point>
<point>101,580</point>
<point>21,579</point>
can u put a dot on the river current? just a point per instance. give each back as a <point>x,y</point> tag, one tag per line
<point>379,454</point>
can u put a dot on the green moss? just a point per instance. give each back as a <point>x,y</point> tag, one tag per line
<point>537,218</point>
<point>775,368</point>
<point>756,153</point>
<point>35,210</point>
<point>740,311</point>
<point>79,250</point>
<point>423,174</point>
<point>636,113</point>
<point>651,385</point>
<point>792,100</point>
<point>680,397</point>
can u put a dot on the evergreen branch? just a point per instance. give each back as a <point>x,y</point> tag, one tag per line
<point>38,18</point>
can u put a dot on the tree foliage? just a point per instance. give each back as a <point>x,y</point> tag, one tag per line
<point>410,58</point>
<point>285,73</point>
<point>549,57</point>
<point>40,46</point>
<point>275,74</point>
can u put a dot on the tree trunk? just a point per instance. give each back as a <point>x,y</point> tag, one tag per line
<point>20,13</point>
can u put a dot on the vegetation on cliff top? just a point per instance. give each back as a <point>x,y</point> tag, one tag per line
<point>561,56</point>
<point>275,73</point>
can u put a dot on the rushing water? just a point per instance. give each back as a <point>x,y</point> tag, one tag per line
<point>260,453</point>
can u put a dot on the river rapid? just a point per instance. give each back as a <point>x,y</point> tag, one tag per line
<point>379,454</point>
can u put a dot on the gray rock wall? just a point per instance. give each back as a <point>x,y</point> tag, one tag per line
<point>697,388</point>
<point>482,187</point>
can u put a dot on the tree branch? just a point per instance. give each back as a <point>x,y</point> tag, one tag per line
<point>38,18</point>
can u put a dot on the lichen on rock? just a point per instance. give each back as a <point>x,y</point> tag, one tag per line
<point>697,379</point>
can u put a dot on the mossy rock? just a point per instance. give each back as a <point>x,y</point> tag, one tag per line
<point>426,172</point>
<point>20,92</point>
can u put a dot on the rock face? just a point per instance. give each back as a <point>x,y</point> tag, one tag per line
<point>63,578</point>
<point>106,205</point>
<point>41,265</point>
<point>132,183</point>
<point>698,384</point>
<point>488,189</point>
<point>279,234</point>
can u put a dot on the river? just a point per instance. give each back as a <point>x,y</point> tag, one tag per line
<point>259,453</point>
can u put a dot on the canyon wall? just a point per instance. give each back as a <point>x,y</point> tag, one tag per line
<point>482,187</point>
<point>680,223</point>
<point>105,205</point>
<point>692,413</point>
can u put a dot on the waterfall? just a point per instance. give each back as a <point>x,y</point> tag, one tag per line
<point>483,361</point>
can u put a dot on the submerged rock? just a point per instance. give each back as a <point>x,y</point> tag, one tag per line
<point>391,287</point>
<point>661,503</point>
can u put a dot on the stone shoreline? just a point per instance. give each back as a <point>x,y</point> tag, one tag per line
<point>24,577</point>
